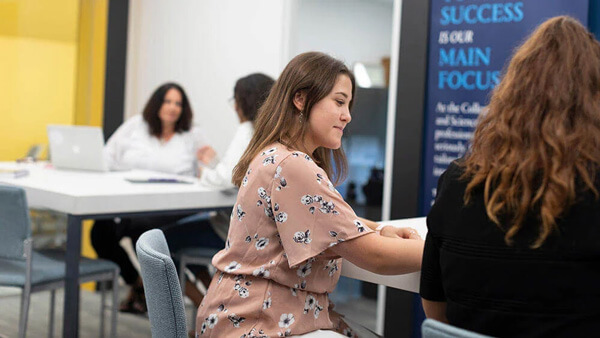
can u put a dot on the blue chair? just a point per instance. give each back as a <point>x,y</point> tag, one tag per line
<point>161,286</point>
<point>432,328</point>
<point>34,271</point>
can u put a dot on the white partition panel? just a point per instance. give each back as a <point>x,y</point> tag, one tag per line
<point>205,46</point>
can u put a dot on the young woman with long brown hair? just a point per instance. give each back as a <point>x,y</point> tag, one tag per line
<point>513,247</point>
<point>289,226</point>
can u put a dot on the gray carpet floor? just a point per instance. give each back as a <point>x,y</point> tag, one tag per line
<point>361,311</point>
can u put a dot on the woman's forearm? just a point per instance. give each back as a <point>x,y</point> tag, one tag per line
<point>382,255</point>
<point>400,256</point>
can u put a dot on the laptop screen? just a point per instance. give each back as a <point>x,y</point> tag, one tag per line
<point>76,147</point>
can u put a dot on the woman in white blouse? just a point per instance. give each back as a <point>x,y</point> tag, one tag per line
<point>161,139</point>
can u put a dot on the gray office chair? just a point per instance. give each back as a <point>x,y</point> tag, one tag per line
<point>34,271</point>
<point>434,329</point>
<point>161,286</point>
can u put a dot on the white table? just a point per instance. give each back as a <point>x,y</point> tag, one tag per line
<point>409,281</point>
<point>93,195</point>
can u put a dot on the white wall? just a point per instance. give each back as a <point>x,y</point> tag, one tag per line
<point>205,46</point>
<point>351,30</point>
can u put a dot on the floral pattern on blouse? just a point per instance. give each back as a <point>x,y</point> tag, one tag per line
<point>275,271</point>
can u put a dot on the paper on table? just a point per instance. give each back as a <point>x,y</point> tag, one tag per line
<point>157,180</point>
<point>13,173</point>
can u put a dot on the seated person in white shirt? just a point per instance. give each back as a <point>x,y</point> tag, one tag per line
<point>161,139</point>
<point>248,95</point>
<point>198,231</point>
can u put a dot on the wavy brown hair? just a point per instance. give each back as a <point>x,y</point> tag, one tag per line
<point>152,108</point>
<point>278,120</point>
<point>538,144</point>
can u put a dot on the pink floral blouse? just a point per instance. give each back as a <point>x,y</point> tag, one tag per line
<point>275,272</point>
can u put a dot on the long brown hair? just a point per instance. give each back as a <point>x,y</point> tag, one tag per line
<point>278,119</point>
<point>540,138</point>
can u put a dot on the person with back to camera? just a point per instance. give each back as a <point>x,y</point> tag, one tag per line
<point>197,231</point>
<point>513,247</point>
<point>289,225</point>
<point>249,93</point>
<point>161,139</point>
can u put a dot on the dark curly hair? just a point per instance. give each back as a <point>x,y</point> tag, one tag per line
<point>250,92</point>
<point>152,108</point>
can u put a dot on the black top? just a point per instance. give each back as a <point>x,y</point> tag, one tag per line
<point>511,291</point>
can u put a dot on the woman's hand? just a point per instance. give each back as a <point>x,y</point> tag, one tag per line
<point>206,154</point>
<point>394,232</point>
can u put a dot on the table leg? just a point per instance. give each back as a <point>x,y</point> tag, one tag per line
<point>71,309</point>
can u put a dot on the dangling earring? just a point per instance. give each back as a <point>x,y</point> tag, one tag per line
<point>300,118</point>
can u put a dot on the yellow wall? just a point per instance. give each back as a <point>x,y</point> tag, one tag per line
<point>52,65</point>
<point>89,99</point>
<point>38,54</point>
<point>91,62</point>
<point>52,61</point>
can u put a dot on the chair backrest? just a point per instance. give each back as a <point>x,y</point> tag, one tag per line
<point>161,286</point>
<point>14,222</point>
<point>434,329</point>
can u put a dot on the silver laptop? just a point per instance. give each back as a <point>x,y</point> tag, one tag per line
<point>76,147</point>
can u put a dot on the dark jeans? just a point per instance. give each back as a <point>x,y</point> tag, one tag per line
<point>180,231</point>
<point>107,233</point>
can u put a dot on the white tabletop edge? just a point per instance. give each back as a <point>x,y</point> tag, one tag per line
<point>91,193</point>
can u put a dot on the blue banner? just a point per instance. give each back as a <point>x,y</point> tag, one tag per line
<point>469,43</point>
